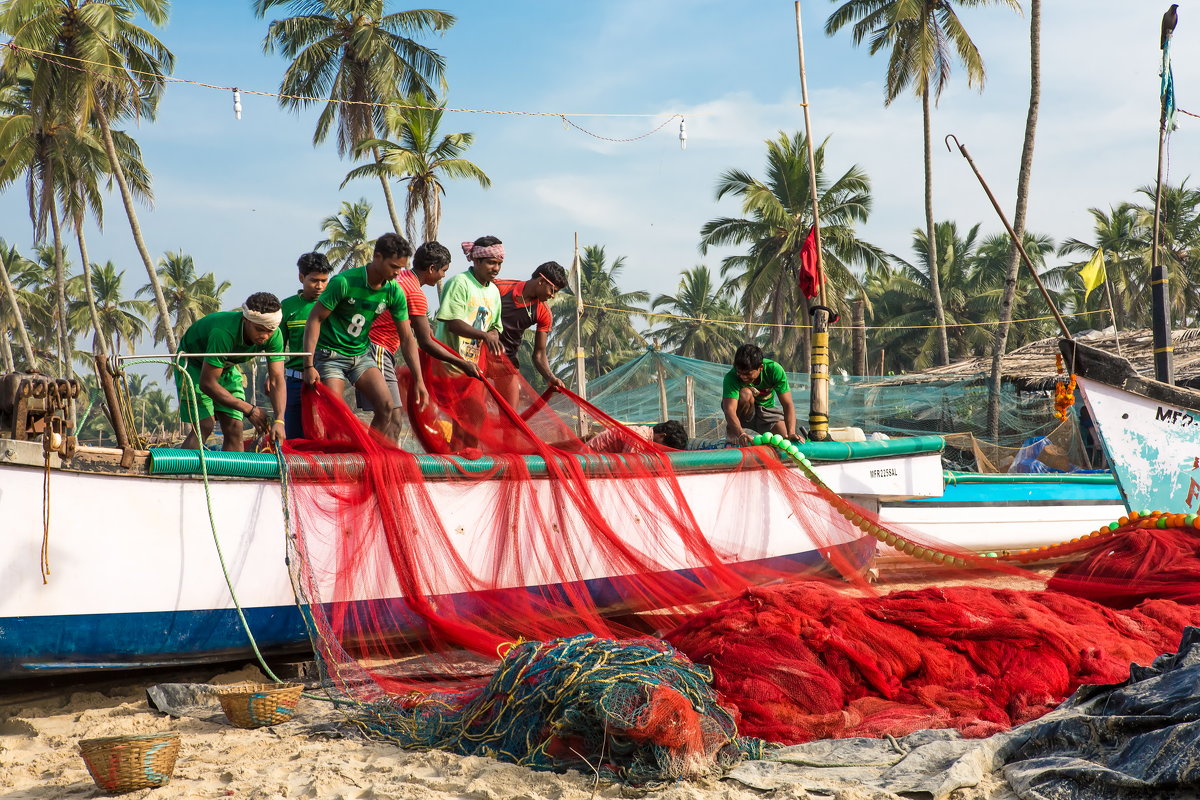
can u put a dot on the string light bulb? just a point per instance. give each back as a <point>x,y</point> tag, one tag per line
<point>237,103</point>
<point>682,133</point>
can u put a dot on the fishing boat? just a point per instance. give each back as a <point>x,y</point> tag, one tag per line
<point>1005,513</point>
<point>110,557</point>
<point>1150,430</point>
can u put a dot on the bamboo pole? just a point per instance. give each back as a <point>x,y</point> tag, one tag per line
<point>818,373</point>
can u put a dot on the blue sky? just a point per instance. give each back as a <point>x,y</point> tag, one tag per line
<point>245,198</point>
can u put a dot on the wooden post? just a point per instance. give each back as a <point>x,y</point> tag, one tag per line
<point>858,336</point>
<point>662,393</point>
<point>689,392</point>
<point>580,372</point>
<point>114,404</point>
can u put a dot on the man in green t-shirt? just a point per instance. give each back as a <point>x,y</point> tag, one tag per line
<point>215,388</point>
<point>314,274</point>
<point>337,333</point>
<point>748,397</point>
<point>469,314</point>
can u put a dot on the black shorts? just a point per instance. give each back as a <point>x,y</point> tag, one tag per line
<point>762,419</point>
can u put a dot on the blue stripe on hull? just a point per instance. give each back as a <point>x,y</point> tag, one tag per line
<point>1022,493</point>
<point>46,645</point>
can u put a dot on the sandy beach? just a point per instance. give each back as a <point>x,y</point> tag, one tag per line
<point>316,755</point>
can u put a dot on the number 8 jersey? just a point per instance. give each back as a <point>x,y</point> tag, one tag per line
<point>353,306</point>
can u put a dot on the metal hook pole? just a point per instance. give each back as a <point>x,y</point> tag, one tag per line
<point>1012,234</point>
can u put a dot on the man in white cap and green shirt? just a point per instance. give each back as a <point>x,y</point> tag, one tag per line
<point>215,388</point>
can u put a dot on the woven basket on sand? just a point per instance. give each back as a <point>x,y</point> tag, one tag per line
<point>254,705</point>
<point>126,763</point>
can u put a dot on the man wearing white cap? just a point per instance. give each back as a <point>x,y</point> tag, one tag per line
<point>216,380</point>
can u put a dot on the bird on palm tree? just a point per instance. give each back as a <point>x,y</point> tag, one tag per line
<point>347,243</point>
<point>353,54</point>
<point>606,330</point>
<point>924,38</point>
<point>704,323</point>
<point>124,79</point>
<point>418,158</point>
<point>776,218</point>
<point>189,296</point>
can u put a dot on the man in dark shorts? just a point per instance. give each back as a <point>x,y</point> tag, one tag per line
<point>523,306</point>
<point>314,274</point>
<point>749,397</point>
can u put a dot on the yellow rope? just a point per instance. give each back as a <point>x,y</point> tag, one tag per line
<point>756,323</point>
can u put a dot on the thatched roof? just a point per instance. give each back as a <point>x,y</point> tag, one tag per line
<point>1032,366</point>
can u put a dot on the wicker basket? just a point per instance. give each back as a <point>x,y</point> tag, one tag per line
<point>254,705</point>
<point>127,763</point>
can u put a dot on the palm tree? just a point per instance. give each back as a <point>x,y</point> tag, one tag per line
<point>419,158</point>
<point>606,329</point>
<point>124,78</point>
<point>705,323</point>
<point>353,54</point>
<point>119,320</point>
<point>189,296</point>
<point>906,304</point>
<point>9,257</point>
<point>1117,233</point>
<point>924,37</point>
<point>778,215</point>
<point>1179,244</point>
<point>347,241</point>
<point>1023,178</point>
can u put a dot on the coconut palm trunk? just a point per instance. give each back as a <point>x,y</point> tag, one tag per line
<point>22,331</point>
<point>387,194</point>
<point>6,350</point>
<point>134,226</point>
<point>935,286</point>
<point>97,335</point>
<point>1000,344</point>
<point>65,350</point>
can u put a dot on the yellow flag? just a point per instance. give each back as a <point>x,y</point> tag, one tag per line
<point>1093,274</point>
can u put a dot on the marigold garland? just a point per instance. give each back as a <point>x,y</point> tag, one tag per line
<point>1064,391</point>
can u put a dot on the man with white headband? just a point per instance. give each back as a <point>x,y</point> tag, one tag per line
<point>469,314</point>
<point>227,339</point>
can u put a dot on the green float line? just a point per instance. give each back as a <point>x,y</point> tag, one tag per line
<point>167,461</point>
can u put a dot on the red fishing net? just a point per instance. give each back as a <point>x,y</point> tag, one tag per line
<point>804,662</point>
<point>533,536</point>
<point>512,528</point>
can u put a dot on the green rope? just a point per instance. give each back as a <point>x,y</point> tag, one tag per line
<point>212,523</point>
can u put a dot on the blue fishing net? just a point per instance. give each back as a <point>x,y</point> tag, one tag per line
<point>634,710</point>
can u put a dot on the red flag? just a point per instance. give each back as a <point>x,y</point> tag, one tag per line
<point>810,265</point>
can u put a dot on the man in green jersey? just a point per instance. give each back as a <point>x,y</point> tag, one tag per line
<point>314,274</point>
<point>337,333</point>
<point>469,314</point>
<point>227,339</point>
<point>748,397</point>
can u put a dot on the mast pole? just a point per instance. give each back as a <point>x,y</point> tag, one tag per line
<point>1164,368</point>
<point>818,374</point>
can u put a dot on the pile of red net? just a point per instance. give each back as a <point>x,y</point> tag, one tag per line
<point>803,661</point>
